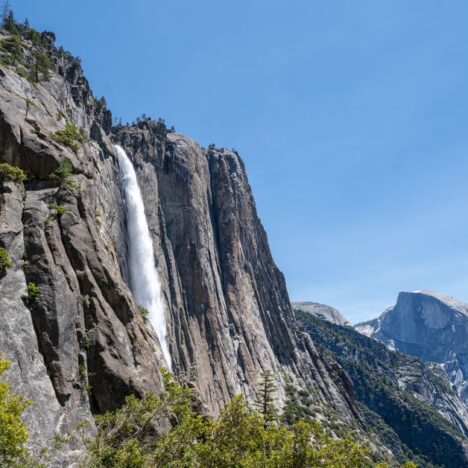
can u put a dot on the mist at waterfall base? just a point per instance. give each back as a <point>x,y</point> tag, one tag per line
<point>144,278</point>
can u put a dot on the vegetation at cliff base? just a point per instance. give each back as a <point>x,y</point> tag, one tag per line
<point>13,432</point>
<point>239,437</point>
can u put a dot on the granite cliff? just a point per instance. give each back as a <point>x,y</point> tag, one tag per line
<point>68,320</point>
<point>431,326</point>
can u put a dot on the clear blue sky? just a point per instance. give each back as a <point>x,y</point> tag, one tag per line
<point>351,116</point>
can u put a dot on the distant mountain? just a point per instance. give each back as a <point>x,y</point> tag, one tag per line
<point>409,405</point>
<point>322,311</point>
<point>431,326</point>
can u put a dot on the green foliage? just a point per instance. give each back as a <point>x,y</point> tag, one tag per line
<point>42,64</point>
<point>11,173</point>
<point>59,209</point>
<point>144,312</point>
<point>69,136</point>
<point>33,292</point>
<point>298,405</point>
<point>86,341</point>
<point>63,172</point>
<point>265,401</point>
<point>13,432</point>
<point>101,103</point>
<point>11,47</point>
<point>73,185</point>
<point>239,437</point>
<point>33,36</point>
<point>409,426</point>
<point>8,19</point>
<point>5,261</point>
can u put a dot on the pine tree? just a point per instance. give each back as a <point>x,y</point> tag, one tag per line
<point>266,399</point>
<point>6,8</point>
<point>41,67</point>
<point>8,19</point>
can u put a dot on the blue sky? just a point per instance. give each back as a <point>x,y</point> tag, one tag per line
<point>351,116</point>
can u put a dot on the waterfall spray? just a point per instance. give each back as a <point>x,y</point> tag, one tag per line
<point>144,278</point>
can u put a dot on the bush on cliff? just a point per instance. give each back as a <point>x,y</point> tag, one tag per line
<point>11,173</point>
<point>5,261</point>
<point>69,136</point>
<point>13,432</point>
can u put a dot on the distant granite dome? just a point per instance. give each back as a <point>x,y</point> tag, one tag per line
<point>322,311</point>
<point>431,326</point>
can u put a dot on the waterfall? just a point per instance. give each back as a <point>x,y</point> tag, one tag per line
<point>144,278</point>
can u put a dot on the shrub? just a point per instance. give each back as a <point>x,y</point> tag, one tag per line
<point>60,209</point>
<point>34,36</point>
<point>33,292</point>
<point>74,185</point>
<point>63,172</point>
<point>11,46</point>
<point>5,261</point>
<point>11,173</point>
<point>69,136</point>
<point>144,312</point>
<point>13,432</point>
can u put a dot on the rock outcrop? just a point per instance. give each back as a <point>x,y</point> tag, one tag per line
<point>322,311</point>
<point>430,326</point>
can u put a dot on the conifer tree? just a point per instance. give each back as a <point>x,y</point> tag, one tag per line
<point>41,67</point>
<point>266,399</point>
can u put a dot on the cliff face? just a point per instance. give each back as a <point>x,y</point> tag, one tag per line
<point>229,311</point>
<point>78,343</point>
<point>430,326</point>
<point>408,404</point>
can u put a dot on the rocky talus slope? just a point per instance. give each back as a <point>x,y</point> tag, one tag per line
<point>68,321</point>
<point>431,326</point>
<point>410,405</point>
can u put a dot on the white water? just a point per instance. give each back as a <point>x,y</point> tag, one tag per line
<point>144,278</point>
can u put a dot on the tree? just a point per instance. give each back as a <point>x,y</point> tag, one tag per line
<point>238,437</point>
<point>6,8</point>
<point>8,19</point>
<point>13,432</point>
<point>41,67</point>
<point>12,46</point>
<point>265,401</point>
